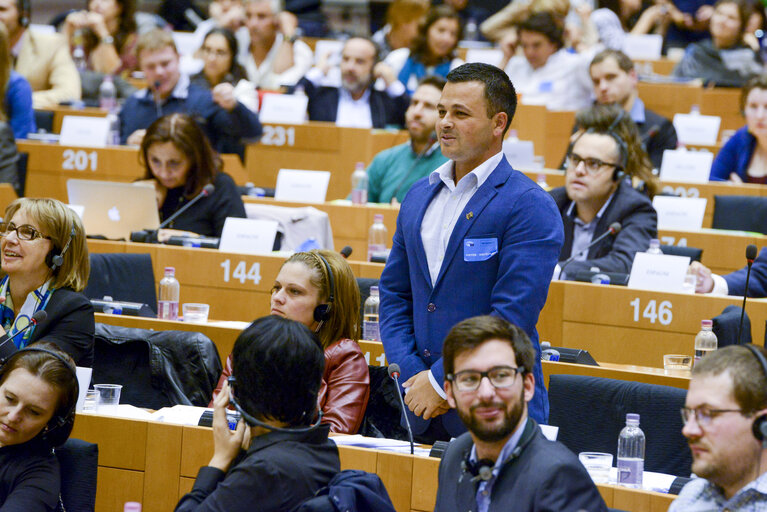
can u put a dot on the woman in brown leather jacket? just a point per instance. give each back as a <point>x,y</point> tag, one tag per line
<point>318,289</point>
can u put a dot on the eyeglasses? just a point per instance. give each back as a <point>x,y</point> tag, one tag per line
<point>210,52</point>
<point>593,165</point>
<point>23,232</point>
<point>499,376</point>
<point>703,416</point>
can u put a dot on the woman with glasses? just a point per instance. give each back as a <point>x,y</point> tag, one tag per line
<point>219,53</point>
<point>602,160</point>
<point>46,267</point>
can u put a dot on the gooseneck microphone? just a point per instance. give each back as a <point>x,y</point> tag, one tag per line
<point>150,235</point>
<point>157,100</point>
<point>394,373</point>
<point>750,257</point>
<point>7,347</point>
<point>613,230</point>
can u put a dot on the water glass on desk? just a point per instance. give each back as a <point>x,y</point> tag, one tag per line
<point>195,313</point>
<point>109,396</point>
<point>598,465</point>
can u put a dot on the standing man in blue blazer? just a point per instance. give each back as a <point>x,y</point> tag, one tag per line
<point>475,237</point>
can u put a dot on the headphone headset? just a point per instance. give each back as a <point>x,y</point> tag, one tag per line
<point>760,423</point>
<point>255,422</point>
<point>59,427</point>
<point>55,258</point>
<point>322,311</point>
<point>623,150</point>
<point>24,11</point>
<point>483,468</point>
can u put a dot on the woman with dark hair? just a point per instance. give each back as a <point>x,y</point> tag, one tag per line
<point>724,60</point>
<point>219,52</point>
<point>179,162</point>
<point>743,159</point>
<point>432,51</point>
<point>38,393</point>
<point>107,34</point>
<point>318,289</point>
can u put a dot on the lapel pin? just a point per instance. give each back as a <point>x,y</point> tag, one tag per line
<point>469,215</point>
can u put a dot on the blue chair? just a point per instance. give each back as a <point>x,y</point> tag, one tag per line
<point>744,213</point>
<point>79,462</point>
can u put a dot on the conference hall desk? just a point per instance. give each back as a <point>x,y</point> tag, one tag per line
<point>237,286</point>
<point>50,166</point>
<point>156,463</point>
<point>7,196</point>
<point>668,99</point>
<point>634,327</point>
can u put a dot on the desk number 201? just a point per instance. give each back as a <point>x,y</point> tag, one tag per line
<point>240,272</point>
<point>79,160</point>
<point>654,312</point>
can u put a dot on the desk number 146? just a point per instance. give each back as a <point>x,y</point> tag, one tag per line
<point>654,312</point>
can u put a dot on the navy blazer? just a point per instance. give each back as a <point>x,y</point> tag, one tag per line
<point>757,284</point>
<point>639,225</point>
<point>512,283</point>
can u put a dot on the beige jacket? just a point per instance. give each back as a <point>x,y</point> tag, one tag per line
<point>44,60</point>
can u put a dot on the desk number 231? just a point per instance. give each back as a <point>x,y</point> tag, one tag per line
<point>654,312</point>
<point>241,272</point>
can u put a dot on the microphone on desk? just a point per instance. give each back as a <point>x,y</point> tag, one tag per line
<point>7,347</point>
<point>150,235</point>
<point>750,257</point>
<point>157,100</point>
<point>346,252</point>
<point>394,373</point>
<point>613,230</point>
<point>651,133</point>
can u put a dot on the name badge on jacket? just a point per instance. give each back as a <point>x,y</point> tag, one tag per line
<point>479,249</point>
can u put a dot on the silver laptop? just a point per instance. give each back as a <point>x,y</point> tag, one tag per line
<point>114,209</point>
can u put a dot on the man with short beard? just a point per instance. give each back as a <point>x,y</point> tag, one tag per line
<point>503,462</point>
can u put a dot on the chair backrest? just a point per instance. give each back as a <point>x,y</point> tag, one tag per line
<point>727,324</point>
<point>79,462</point>
<point>745,213</point>
<point>351,489</point>
<point>44,120</point>
<point>693,253</point>
<point>364,284</point>
<point>383,412</point>
<point>125,277</point>
<point>296,224</point>
<point>591,411</point>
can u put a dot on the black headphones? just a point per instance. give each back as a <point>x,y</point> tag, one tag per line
<point>59,427</point>
<point>55,258</point>
<point>759,427</point>
<point>623,150</point>
<point>256,422</point>
<point>483,468</point>
<point>24,12</point>
<point>322,311</point>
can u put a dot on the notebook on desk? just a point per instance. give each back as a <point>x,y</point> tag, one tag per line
<point>114,209</point>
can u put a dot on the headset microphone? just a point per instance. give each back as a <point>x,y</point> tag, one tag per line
<point>394,373</point>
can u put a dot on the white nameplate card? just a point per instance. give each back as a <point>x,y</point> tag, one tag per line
<point>643,46</point>
<point>658,272</point>
<point>697,128</point>
<point>84,381</point>
<point>484,55</point>
<point>302,186</point>
<point>519,153</point>
<point>675,213</point>
<point>248,236</point>
<point>686,166</point>
<point>78,209</point>
<point>84,131</point>
<point>283,108</point>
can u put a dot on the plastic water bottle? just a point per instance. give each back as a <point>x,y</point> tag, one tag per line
<point>705,340</point>
<point>78,55</point>
<point>377,237</point>
<point>654,247</point>
<point>167,304</point>
<point>108,94</point>
<point>631,453</point>
<point>471,30</point>
<point>370,330</point>
<point>132,506</point>
<point>359,184</point>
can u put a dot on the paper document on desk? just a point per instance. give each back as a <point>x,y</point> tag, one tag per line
<point>180,414</point>
<point>378,443</point>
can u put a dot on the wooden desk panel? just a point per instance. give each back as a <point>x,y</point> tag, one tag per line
<point>725,103</point>
<point>711,189</point>
<point>7,196</point>
<point>115,487</point>
<point>61,111</point>
<point>633,373</point>
<point>720,248</point>
<point>112,434</point>
<point>669,99</point>
<point>549,324</point>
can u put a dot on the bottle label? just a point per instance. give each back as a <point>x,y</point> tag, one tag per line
<point>377,250</point>
<point>167,310</point>
<point>370,331</point>
<point>359,196</point>
<point>630,471</point>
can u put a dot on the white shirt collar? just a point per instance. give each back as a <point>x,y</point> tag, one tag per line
<point>479,174</point>
<point>180,91</point>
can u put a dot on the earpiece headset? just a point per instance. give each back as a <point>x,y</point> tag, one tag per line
<point>322,311</point>
<point>55,258</point>
<point>623,150</point>
<point>483,468</point>
<point>760,423</point>
<point>24,11</point>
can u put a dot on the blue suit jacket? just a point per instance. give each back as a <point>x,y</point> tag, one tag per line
<point>514,283</point>
<point>757,284</point>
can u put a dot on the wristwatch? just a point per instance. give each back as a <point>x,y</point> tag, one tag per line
<point>295,37</point>
<point>108,40</point>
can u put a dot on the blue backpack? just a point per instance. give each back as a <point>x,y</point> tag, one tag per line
<point>350,490</point>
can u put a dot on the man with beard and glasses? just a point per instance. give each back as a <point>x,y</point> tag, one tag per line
<point>356,103</point>
<point>503,462</point>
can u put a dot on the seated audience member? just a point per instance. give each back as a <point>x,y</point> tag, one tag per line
<point>45,259</point>
<point>744,157</point>
<point>393,171</point>
<point>432,51</point>
<point>318,289</point>
<point>287,456</point>
<point>17,106</point>
<point>615,81</point>
<point>219,53</point>
<point>724,60</point>
<point>548,74</point>
<point>725,403</point>
<point>615,18</point>
<point>690,25</point>
<point>597,194</point>
<point>356,103</point>
<point>489,381</point>
<point>226,121</point>
<point>179,162</point>
<point>277,57</point>
<point>469,10</point>
<point>182,15</point>
<point>733,283</point>
<point>38,393</point>
<point>504,22</point>
<point>107,33</point>
<point>43,59</point>
<point>228,14</point>
<point>403,18</point>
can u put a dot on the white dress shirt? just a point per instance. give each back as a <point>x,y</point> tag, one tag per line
<point>263,76</point>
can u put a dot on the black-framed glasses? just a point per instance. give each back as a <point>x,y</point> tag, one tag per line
<point>593,165</point>
<point>704,415</point>
<point>23,232</point>
<point>499,377</point>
